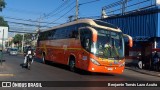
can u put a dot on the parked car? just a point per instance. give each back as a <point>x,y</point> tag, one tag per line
<point>13,51</point>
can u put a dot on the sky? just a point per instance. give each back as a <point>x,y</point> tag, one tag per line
<point>32,9</point>
<point>48,11</point>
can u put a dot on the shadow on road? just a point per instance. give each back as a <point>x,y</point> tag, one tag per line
<point>22,65</point>
<point>2,61</point>
<point>78,71</point>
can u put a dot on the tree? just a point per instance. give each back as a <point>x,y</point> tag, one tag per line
<point>2,4</point>
<point>3,23</point>
<point>28,38</point>
<point>17,39</point>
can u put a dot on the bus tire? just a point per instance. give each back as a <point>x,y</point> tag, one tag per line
<point>72,64</point>
<point>29,65</point>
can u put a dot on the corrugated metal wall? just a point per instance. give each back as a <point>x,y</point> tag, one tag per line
<point>158,34</point>
<point>137,24</point>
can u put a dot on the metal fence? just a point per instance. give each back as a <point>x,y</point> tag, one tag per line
<point>128,6</point>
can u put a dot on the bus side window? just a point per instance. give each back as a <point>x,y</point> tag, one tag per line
<point>50,35</point>
<point>44,36</point>
<point>57,34</point>
<point>53,34</point>
<point>72,32</point>
<point>85,37</point>
<point>65,32</point>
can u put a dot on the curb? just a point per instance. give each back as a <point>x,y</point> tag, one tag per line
<point>142,71</point>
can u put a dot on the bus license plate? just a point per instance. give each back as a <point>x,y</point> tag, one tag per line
<point>110,69</point>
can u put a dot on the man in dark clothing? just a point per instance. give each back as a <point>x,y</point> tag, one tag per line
<point>156,61</point>
<point>28,52</point>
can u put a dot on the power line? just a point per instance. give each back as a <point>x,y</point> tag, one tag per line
<point>26,24</point>
<point>55,10</point>
<point>22,32</point>
<point>17,29</point>
<point>74,7</point>
<point>23,11</point>
<point>63,14</point>
<point>62,9</point>
<point>88,2</point>
<point>28,20</point>
<point>20,28</point>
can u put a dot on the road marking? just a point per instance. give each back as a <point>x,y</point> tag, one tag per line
<point>5,75</point>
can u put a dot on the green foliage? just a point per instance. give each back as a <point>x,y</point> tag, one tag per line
<point>3,23</point>
<point>28,38</point>
<point>2,4</point>
<point>17,39</point>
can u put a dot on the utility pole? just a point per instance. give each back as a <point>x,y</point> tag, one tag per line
<point>22,42</point>
<point>124,5</point>
<point>77,9</point>
<point>38,28</point>
<point>2,40</point>
<point>1,52</point>
<point>39,22</point>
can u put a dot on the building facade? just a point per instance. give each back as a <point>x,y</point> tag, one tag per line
<point>143,24</point>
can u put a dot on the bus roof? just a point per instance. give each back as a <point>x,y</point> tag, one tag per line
<point>95,23</point>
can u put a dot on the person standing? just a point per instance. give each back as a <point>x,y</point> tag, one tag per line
<point>156,61</point>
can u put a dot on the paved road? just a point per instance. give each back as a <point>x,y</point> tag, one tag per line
<point>12,71</point>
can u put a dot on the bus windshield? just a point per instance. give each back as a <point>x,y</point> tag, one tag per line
<point>109,44</point>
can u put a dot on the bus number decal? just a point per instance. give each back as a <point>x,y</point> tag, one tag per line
<point>84,58</point>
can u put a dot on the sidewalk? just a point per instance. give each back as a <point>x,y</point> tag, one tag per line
<point>143,71</point>
<point>5,68</point>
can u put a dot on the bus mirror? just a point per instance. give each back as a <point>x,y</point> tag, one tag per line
<point>94,36</point>
<point>129,39</point>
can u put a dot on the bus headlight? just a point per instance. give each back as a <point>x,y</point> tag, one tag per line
<point>94,61</point>
<point>122,64</point>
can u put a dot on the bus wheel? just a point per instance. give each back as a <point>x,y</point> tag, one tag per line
<point>72,65</point>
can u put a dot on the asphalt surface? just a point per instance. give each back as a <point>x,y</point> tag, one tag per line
<point>11,70</point>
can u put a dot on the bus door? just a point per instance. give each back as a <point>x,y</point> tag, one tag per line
<point>86,41</point>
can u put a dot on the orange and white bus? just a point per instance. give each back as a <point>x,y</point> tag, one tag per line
<point>86,44</point>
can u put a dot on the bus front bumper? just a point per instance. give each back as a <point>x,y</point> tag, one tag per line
<point>106,69</point>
